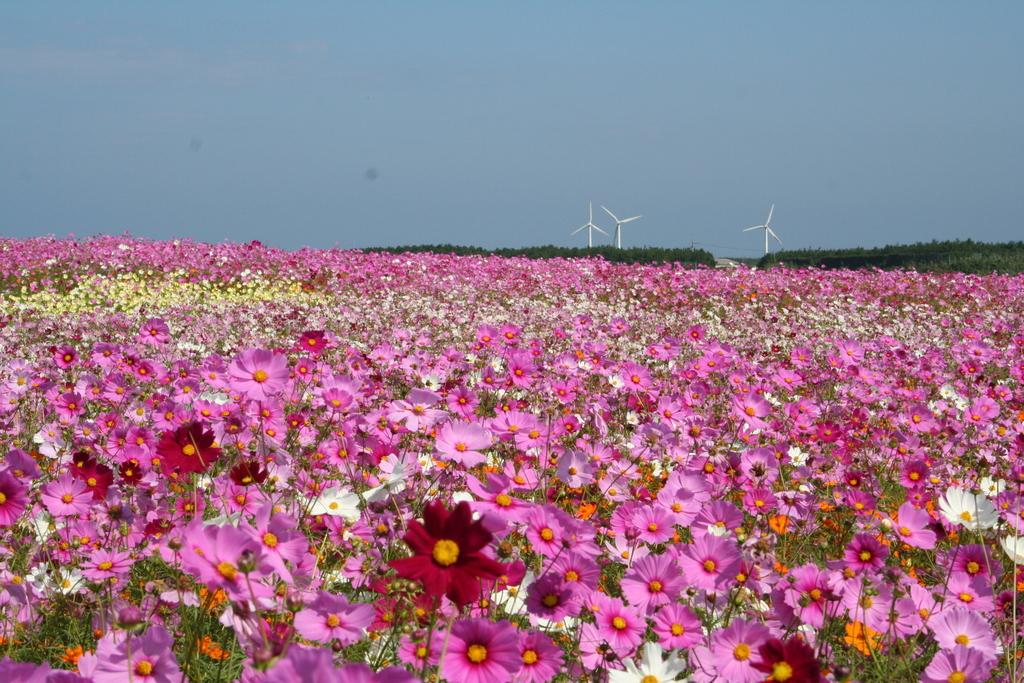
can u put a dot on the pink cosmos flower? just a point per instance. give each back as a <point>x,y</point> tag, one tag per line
<point>960,626</point>
<point>653,524</point>
<point>462,442</point>
<point>864,552</point>
<point>332,618</point>
<point>551,598</point>
<point>67,496</point>
<point>960,664</point>
<point>652,582</point>
<point>710,562</point>
<point>620,626</point>
<point>104,565</point>
<point>154,332</point>
<point>150,660</point>
<point>808,594</point>
<point>733,648</point>
<point>258,374</point>
<point>417,411</point>
<point>677,627</point>
<point>574,469</point>
<point>541,658</point>
<point>215,556</point>
<point>912,527</point>
<point>482,651</point>
<point>12,498</point>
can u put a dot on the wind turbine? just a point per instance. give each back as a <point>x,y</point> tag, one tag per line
<point>590,227</point>
<point>767,230</point>
<point>618,225</point>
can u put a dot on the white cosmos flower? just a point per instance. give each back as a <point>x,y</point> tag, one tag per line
<point>797,456</point>
<point>651,667</point>
<point>336,502</point>
<point>1014,547</point>
<point>974,512</point>
<point>991,487</point>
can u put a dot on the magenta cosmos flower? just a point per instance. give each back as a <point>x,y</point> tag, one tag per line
<point>331,617</point>
<point>960,626</point>
<point>150,661</point>
<point>541,658</point>
<point>481,651</point>
<point>864,552</point>
<point>462,442</point>
<point>620,626</point>
<point>258,374</point>
<point>12,499</point>
<point>677,627</point>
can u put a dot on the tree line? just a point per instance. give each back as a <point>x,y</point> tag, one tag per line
<point>964,256</point>
<point>652,255</point>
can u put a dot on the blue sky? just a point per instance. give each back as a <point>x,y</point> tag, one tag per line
<point>382,123</point>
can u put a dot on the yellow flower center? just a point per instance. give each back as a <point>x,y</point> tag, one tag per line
<point>709,565</point>
<point>652,527</point>
<point>530,657</point>
<point>446,553</point>
<point>815,594</point>
<point>547,534</point>
<point>227,570</point>
<point>3,498</point>
<point>550,600</point>
<point>421,652</point>
<point>957,677</point>
<point>741,652</point>
<point>571,575</point>
<point>655,586</point>
<point>503,500</point>
<point>966,597</point>
<point>962,639</point>
<point>333,621</point>
<point>781,671</point>
<point>865,555</point>
<point>260,376</point>
<point>67,499</point>
<point>105,565</point>
<point>972,567</point>
<point>904,531</point>
<point>188,449</point>
<point>270,540</point>
<point>144,668</point>
<point>650,678</point>
<point>619,623</point>
<point>966,516</point>
<point>476,653</point>
<point>677,629</point>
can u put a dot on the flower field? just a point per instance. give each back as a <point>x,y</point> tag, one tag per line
<point>230,462</point>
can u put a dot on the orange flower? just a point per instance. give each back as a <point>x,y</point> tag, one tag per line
<point>779,524</point>
<point>72,654</point>
<point>586,511</point>
<point>862,638</point>
<point>209,647</point>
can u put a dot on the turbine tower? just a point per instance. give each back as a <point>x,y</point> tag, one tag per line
<point>619,222</point>
<point>590,227</point>
<point>766,226</point>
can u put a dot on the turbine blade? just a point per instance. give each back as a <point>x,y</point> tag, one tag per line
<point>772,233</point>
<point>614,217</point>
<point>755,227</point>
<point>630,219</point>
<point>770,211</point>
<point>590,211</point>
<point>600,231</point>
<point>579,230</point>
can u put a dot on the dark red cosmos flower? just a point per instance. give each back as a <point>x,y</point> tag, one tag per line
<point>313,342</point>
<point>189,448</point>
<point>248,472</point>
<point>447,558</point>
<point>789,662</point>
<point>130,471</point>
<point>96,476</point>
